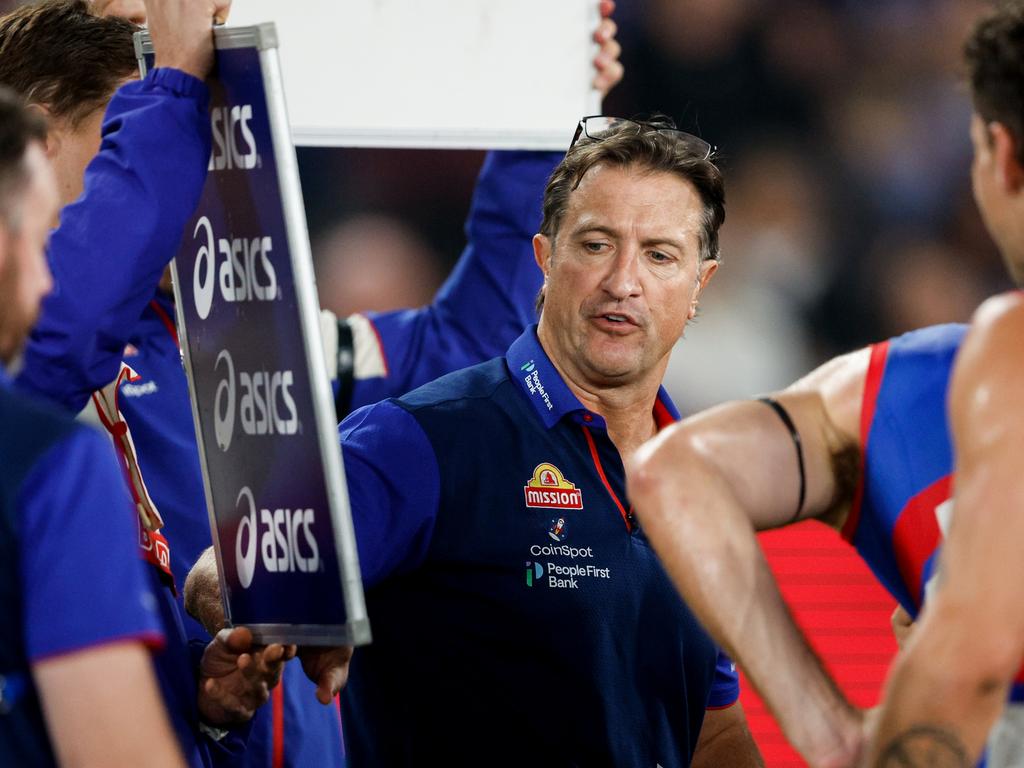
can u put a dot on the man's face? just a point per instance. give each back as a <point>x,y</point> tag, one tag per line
<point>24,275</point>
<point>623,276</point>
<point>997,194</point>
<point>71,148</point>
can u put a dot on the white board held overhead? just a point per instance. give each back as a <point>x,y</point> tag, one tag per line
<point>449,74</point>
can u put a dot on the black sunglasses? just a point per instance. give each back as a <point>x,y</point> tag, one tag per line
<point>599,127</point>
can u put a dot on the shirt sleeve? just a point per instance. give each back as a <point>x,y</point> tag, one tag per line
<point>393,488</point>
<point>113,243</point>
<point>83,582</point>
<point>725,686</point>
<point>486,302</point>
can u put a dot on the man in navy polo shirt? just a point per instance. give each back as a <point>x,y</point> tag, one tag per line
<point>519,614</point>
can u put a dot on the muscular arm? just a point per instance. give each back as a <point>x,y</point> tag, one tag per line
<point>103,708</point>
<point>702,488</point>
<point>725,741</point>
<point>949,686</point>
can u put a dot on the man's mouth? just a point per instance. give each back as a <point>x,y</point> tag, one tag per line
<point>616,321</point>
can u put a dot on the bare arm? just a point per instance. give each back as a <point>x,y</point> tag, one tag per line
<point>103,708</point>
<point>725,741</point>
<point>702,487</point>
<point>949,686</point>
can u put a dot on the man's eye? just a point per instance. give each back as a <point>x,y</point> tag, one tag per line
<point>660,257</point>
<point>594,247</point>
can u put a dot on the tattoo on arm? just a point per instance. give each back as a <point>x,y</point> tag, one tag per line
<point>925,745</point>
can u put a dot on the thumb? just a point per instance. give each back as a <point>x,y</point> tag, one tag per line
<point>237,640</point>
<point>330,683</point>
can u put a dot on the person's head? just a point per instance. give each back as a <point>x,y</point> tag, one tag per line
<point>133,10</point>
<point>994,54</point>
<point>628,240</point>
<point>67,62</point>
<point>28,202</point>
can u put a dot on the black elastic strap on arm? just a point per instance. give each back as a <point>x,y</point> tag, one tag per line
<point>346,369</point>
<point>784,415</point>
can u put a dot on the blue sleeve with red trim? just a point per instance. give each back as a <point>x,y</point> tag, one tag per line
<point>393,488</point>
<point>82,577</point>
<point>113,243</point>
<point>725,688</point>
<point>488,299</point>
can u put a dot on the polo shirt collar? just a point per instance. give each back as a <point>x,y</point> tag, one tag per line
<point>532,369</point>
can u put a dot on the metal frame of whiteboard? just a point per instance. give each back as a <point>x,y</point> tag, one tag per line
<point>263,38</point>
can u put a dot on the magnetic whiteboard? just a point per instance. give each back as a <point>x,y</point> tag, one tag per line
<point>446,73</point>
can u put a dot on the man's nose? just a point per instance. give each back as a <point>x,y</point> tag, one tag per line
<point>623,277</point>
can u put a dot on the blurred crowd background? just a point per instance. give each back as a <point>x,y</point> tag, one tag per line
<point>842,130</point>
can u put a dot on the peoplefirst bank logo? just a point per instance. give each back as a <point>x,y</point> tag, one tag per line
<point>265,402</point>
<point>234,146</point>
<point>240,267</point>
<point>548,489</point>
<point>281,539</point>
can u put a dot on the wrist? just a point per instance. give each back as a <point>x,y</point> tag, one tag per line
<point>179,82</point>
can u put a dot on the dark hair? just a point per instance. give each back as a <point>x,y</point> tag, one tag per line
<point>59,54</point>
<point>19,127</point>
<point>994,54</point>
<point>649,149</point>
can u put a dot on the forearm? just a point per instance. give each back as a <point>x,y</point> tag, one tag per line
<point>729,746</point>
<point>710,550</point>
<point>944,692</point>
<point>202,593</point>
<point>113,244</point>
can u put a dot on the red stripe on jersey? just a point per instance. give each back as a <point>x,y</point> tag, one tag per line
<point>662,415</point>
<point>277,702</point>
<point>916,534</point>
<point>604,479</point>
<point>872,386</point>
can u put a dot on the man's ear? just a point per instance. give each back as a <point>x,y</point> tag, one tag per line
<point>706,271</point>
<point>1006,154</point>
<point>542,253</point>
<point>53,135</point>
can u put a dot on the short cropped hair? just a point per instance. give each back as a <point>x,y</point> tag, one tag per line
<point>994,55</point>
<point>19,127</point>
<point>650,150</point>
<point>61,55</point>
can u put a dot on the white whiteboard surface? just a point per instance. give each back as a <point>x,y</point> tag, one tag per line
<point>440,73</point>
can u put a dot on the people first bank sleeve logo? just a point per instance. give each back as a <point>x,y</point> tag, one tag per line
<point>548,489</point>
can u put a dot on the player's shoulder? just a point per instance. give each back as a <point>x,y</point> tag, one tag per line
<point>1000,314</point>
<point>998,328</point>
<point>456,398</point>
<point>932,341</point>
<point>991,358</point>
<point>465,389</point>
<point>32,429</point>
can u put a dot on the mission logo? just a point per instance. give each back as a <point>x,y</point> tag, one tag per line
<point>548,489</point>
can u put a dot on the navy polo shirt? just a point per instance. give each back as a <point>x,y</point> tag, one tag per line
<point>519,614</point>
